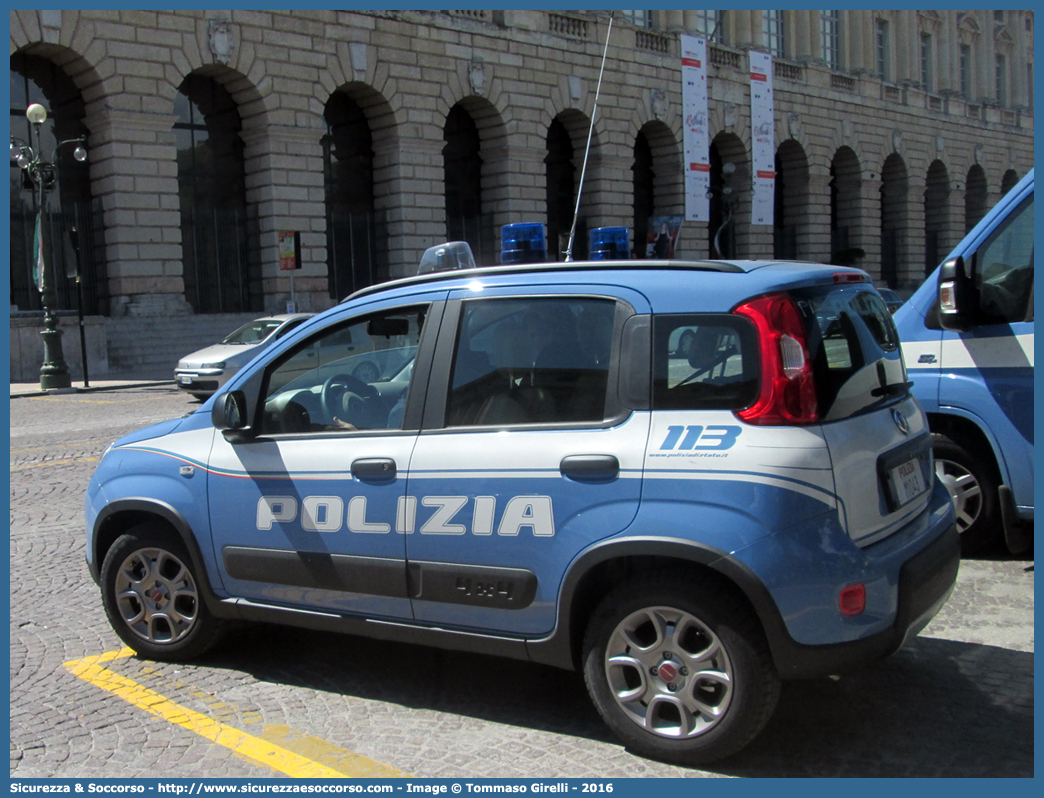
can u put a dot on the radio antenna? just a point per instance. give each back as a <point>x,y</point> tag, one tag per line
<point>587,151</point>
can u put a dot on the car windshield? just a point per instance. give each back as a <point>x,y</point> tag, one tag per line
<point>253,332</point>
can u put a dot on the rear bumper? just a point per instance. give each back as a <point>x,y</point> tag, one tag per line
<point>926,577</point>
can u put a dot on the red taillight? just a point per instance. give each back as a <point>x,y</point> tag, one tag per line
<point>788,393</point>
<point>852,600</point>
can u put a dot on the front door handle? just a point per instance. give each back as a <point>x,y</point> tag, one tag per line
<point>590,467</point>
<point>374,469</point>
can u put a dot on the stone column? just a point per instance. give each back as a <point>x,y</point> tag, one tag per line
<point>757,29</point>
<point>948,74</point>
<point>134,173</point>
<point>987,61</point>
<point>284,167</point>
<point>816,245</point>
<point>412,196</point>
<point>904,35</point>
<point>911,263</point>
<point>741,31</point>
<point>673,21</point>
<point>1019,89</point>
<point>869,41</point>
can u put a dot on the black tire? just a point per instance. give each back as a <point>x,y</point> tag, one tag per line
<point>700,625</point>
<point>971,480</point>
<point>153,597</point>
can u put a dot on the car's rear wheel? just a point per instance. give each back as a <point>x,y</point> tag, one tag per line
<point>973,488</point>
<point>680,671</point>
<point>152,597</point>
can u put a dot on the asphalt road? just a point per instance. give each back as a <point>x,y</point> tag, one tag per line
<point>958,701</point>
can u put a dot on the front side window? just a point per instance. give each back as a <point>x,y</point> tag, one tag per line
<point>1004,269</point>
<point>350,377</point>
<point>704,362</point>
<point>531,361</point>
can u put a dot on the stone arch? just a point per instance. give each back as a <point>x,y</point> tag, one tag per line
<point>1009,181</point>
<point>480,144</point>
<point>729,224</point>
<point>658,179</point>
<point>976,196</point>
<point>567,138</point>
<point>895,218</point>
<point>847,228</point>
<point>220,236</point>
<point>43,75</point>
<point>791,217</point>
<point>936,215</point>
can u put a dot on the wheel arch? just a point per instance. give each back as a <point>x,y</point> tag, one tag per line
<point>599,568</point>
<point>119,517</point>
<point>974,437</point>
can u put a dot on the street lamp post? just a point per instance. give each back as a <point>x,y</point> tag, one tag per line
<point>54,373</point>
<point>728,201</point>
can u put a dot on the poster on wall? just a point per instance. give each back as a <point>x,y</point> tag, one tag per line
<point>289,250</point>
<point>663,236</point>
<point>697,130</point>
<point>763,125</point>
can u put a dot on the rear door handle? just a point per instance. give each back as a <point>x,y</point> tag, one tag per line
<point>590,467</point>
<point>374,469</point>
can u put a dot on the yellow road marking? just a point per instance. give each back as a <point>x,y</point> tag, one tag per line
<point>296,755</point>
<point>55,463</point>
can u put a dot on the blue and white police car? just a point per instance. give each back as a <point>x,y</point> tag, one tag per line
<point>688,480</point>
<point>967,337</point>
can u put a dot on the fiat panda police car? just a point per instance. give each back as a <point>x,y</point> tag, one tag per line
<point>688,480</point>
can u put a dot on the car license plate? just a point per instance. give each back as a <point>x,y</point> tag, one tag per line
<point>184,379</point>
<point>908,481</point>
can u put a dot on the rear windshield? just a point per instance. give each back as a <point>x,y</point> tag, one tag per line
<point>855,350</point>
<point>712,362</point>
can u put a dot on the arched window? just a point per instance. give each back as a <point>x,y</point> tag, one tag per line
<point>644,192</point>
<point>894,218</point>
<point>936,215</point>
<point>353,240</point>
<point>463,181</point>
<point>846,218</point>
<point>561,195</point>
<point>69,203</point>
<point>975,197</point>
<point>221,273</point>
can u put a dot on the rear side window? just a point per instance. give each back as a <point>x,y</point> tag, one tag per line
<point>854,348</point>
<point>704,362</point>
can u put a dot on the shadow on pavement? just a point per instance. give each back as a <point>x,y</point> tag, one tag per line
<point>938,708</point>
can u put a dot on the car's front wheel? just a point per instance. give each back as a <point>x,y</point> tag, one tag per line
<point>973,489</point>
<point>680,671</point>
<point>152,597</point>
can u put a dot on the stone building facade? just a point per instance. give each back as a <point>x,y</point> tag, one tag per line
<point>376,134</point>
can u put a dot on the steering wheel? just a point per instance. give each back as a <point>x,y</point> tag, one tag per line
<point>331,395</point>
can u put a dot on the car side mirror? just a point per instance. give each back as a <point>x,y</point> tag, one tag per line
<point>230,415</point>
<point>956,295</point>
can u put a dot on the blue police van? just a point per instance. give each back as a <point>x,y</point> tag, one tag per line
<point>687,480</point>
<point>967,338</point>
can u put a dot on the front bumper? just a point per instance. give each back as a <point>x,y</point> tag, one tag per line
<point>200,380</point>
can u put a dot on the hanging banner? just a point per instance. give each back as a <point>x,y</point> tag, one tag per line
<point>697,129</point>
<point>763,126</point>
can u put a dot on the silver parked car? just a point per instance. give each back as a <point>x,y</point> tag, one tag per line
<point>204,372</point>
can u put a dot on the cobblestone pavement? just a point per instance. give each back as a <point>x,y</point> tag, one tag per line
<point>958,701</point>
